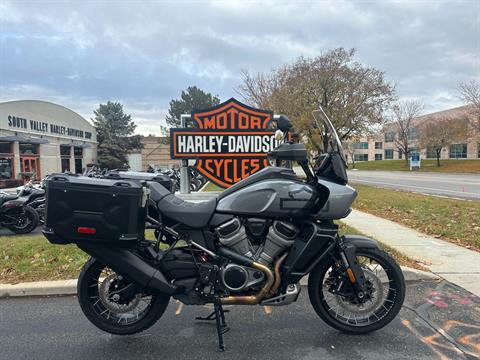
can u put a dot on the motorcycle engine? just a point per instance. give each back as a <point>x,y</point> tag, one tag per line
<point>261,242</point>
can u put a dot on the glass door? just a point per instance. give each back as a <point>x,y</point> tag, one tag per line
<point>30,167</point>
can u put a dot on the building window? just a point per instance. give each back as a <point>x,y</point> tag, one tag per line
<point>431,153</point>
<point>78,166</point>
<point>414,152</point>
<point>28,149</point>
<point>389,136</point>
<point>360,157</point>
<point>65,165</point>
<point>378,156</point>
<point>65,154</point>
<point>361,145</point>
<point>6,147</point>
<point>388,154</point>
<point>65,150</point>
<point>78,154</point>
<point>378,145</point>
<point>78,151</point>
<point>458,151</point>
<point>400,153</point>
<point>6,168</point>
<point>412,134</point>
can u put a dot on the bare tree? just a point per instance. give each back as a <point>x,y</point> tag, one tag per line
<point>470,93</point>
<point>353,95</point>
<point>350,149</point>
<point>403,115</point>
<point>440,133</point>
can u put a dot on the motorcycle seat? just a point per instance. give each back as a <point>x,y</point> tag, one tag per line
<point>194,215</point>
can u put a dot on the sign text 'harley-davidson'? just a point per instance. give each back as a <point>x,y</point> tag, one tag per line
<point>230,142</point>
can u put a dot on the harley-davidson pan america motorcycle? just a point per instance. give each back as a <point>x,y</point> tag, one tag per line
<point>249,246</point>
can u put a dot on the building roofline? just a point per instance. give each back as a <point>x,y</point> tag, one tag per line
<point>45,102</point>
<point>451,110</point>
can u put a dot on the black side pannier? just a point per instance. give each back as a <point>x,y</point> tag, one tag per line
<point>163,180</point>
<point>82,209</point>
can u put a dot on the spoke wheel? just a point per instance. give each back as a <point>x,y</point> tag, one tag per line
<point>333,299</point>
<point>113,304</point>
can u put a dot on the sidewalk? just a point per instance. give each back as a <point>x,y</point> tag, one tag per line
<point>454,263</point>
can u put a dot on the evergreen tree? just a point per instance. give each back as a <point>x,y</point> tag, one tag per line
<point>115,135</point>
<point>191,99</point>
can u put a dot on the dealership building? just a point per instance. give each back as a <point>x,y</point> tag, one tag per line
<point>38,138</point>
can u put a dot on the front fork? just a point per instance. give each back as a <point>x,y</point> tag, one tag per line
<point>353,270</point>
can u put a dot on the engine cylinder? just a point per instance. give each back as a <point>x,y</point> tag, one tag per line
<point>232,234</point>
<point>280,236</point>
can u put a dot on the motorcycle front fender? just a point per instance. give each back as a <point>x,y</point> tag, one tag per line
<point>360,241</point>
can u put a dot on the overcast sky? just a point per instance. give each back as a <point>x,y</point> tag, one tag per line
<point>79,54</point>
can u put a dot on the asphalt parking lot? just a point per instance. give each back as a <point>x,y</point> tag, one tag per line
<point>7,232</point>
<point>55,328</point>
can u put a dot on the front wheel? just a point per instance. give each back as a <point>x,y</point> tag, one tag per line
<point>113,304</point>
<point>332,297</point>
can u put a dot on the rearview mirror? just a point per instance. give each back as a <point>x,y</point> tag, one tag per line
<point>283,123</point>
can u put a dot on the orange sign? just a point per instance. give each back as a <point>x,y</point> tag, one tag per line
<point>230,142</point>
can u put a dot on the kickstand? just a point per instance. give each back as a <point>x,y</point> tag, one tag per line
<point>218,315</point>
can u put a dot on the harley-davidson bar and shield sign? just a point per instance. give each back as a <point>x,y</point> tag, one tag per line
<point>230,141</point>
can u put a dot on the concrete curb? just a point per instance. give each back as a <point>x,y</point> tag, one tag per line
<point>69,287</point>
<point>39,288</point>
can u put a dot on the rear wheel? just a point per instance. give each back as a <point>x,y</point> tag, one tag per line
<point>26,221</point>
<point>332,297</point>
<point>113,304</point>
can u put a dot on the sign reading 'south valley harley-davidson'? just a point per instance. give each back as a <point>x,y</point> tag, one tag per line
<point>230,142</point>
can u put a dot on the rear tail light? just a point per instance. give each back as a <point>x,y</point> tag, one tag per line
<point>86,230</point>
<point>11,205</point>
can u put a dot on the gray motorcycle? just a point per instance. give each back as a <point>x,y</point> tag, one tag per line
<point>250,246</point>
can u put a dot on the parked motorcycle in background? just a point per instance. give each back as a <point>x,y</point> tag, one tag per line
<point>35,197</point>
<point>16,215</point>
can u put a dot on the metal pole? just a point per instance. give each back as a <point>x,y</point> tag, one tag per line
<point>184,174</point>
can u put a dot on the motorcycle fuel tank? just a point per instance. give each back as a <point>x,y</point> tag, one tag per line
<point>270,198</point>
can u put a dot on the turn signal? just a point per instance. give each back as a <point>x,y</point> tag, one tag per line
<point>86,230</point>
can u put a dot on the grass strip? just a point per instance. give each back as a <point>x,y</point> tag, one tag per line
<point>33,258</point>
<point>457,221</point>
<point>450,166</point>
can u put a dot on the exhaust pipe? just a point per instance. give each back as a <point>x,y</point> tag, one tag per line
<point>278,275</point>
<point>248,299</point>
<point>132,267</point>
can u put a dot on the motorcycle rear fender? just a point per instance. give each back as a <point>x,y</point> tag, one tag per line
<point>12,204</point>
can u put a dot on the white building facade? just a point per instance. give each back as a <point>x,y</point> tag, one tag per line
<point>38,138</point>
